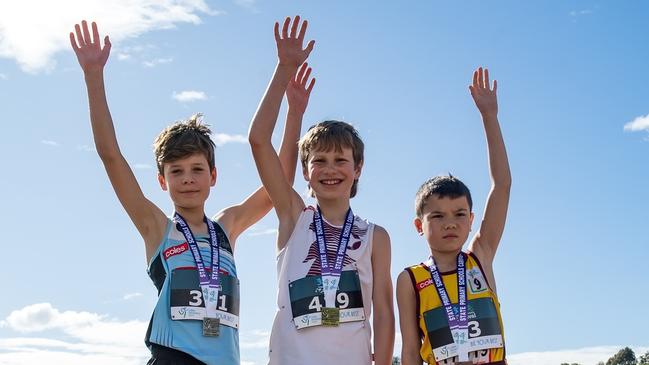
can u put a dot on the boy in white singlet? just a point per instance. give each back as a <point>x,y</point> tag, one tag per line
<point>333,267</point>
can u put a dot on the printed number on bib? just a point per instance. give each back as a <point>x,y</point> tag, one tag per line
<point>307,300</point>
<point>484,330</point>
<point>187,298</point>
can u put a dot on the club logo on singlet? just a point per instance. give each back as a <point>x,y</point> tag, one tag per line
<point>175,250</point>
<point>330,231</point>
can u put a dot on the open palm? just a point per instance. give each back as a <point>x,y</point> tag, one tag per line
<point>483,95</point>
<point>298,92</point>
<point>289,45</point>
<point>90,54</point>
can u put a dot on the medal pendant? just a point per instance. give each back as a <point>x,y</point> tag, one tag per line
<point>330,316</point>
<point>211,327</point>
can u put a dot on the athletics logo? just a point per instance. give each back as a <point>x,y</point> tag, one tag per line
<point>175,250</point>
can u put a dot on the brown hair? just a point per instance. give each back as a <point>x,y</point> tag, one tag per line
<point>443,186</point>
<point>183,139</point>
<point>332,135</point>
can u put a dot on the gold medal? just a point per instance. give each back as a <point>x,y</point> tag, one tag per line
<point>330,316</point>
<point>211,327</point>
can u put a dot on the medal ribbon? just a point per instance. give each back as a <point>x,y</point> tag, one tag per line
<point>458,324</point>
<point>209,285</point>
<point>331,274</point>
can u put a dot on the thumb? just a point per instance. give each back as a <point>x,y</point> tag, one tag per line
<point>309,47</point>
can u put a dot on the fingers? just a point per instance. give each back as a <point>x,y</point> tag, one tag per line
<point>296,22</point>
<point>306,77</point>
<point>287,21</point>
<point>300,73</point>
<point>73,42</point>
<point>495,85</point>
<point>308,90</point>
<point>305,24</point>
<point>86,33</point>
<point>107,44</point>
<point>276,30</point>
<point>475,79</point>
<point>77,30</point>
<point>309,48</point>
<point>486,79</point>
<point>95,34</point>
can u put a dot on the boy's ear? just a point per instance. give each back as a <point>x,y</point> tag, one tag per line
<point>418,227</point>
<point>305,173</point>
<point>471,218</point>
<point>213,176</point>
<point>358,169</point>
<point>162,182</point>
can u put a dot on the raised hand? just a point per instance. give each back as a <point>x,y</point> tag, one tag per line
<point>289,46</point>
<point>483,95</point>
<point>297,91</point>
<point>90,54</point>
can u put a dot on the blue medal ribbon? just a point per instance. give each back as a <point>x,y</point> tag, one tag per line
<point>458,324</point>
<point>331,274</point>
<point>209,285</point>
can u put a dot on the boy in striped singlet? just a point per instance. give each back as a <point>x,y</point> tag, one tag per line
<point>448,308</point>
<point>333,266</point>
<point>190,256</point>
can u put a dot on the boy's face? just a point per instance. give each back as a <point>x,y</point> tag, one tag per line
<point>445,223</point>
<point>331,174</point>
<point>188,180</point>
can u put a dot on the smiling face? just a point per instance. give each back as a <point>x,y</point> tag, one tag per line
<point>188,180</point>
<point>331,174</point>
<point>445,223</point>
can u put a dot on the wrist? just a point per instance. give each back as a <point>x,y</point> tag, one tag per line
<point>295,112</point>
<point>93,74</point>
<point>489,116</point>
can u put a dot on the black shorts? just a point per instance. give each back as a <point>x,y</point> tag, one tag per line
<point>161,355</point>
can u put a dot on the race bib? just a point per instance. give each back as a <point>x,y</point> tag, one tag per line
<point>307,300</point>
<point>187,301</point>
<point>477,282</point>
<point>484,330</point>
<point>476,357</point>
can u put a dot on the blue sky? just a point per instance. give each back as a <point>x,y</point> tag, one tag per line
<point>573,110</point>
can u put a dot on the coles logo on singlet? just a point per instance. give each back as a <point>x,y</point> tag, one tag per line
<point>175,250</point>
<point>423,284</point>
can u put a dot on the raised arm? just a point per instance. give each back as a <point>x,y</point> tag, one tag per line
<point>148,219</point>
<point>291,55</point>
<point>485,242</point>
<point>238,218</point>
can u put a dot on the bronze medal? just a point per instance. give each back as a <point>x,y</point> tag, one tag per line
<point>211,327</point>
<point>330,316</point>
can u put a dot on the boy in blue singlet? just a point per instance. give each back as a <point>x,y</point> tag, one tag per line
<point>333,266</point>
<point>190,257</point>
<point>448,307</point>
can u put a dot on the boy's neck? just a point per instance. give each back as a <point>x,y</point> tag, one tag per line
<point>193,217</point>
<point>334,211</point>
<point>445,261</point>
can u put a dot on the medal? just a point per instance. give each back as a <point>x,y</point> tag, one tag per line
<point>330,316</point>
<point>458,324</point>
<point>331,273</point>
<point>211,327</point>
<point>209,285</point>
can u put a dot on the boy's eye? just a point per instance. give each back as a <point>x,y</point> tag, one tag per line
<point>175,171</point>
<point>461,214</point>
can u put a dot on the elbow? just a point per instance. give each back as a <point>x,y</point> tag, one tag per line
<point>255,140</point>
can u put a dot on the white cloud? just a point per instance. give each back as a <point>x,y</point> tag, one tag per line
<point>142,166</point>
<point>248,4</point>
<point>34,43</point>
<point>157,61</point>
<point>580,12</point>
<point>189,96</point>
<point>584,356</point>
<point>264,232</point>
<point>91,338</point>
<point>87,148</point>
<point>131,296</point>
<point>221,138</point>
<point>50,143</point>
<point>255,339</point>
<point>638,124</point>
<point>3,76</point>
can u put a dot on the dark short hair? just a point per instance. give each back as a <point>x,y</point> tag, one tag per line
<point>183,139</point>
<point>332,135</point>
<point>443,186</point>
